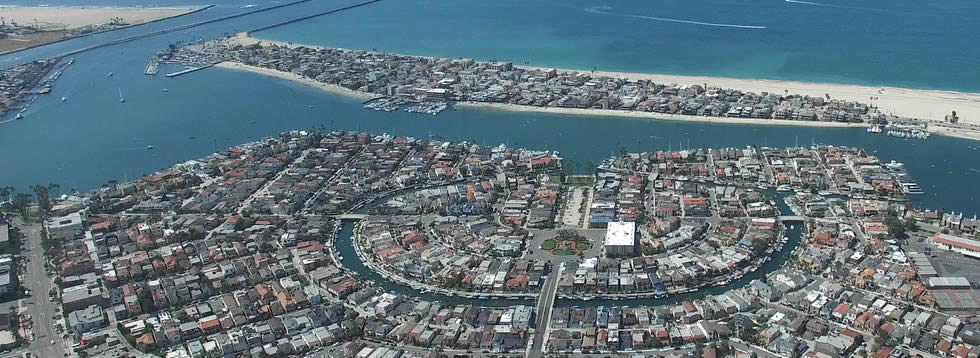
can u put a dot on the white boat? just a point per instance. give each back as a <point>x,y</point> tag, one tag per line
<point>64,99</point>
<point>791,227</point>
<point>19,116</point>
<point>149,147</point>
<point>121,98</point>
<point>784,188</point>
<point>825,193</point>
<point>110,74</point>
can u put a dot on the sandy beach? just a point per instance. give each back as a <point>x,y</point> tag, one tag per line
<point>923,104</point>
<point>294,77</point>
<point>62,18</point>
<point>56,23</point>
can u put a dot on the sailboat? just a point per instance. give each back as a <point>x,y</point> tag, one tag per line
<point>121,98</point>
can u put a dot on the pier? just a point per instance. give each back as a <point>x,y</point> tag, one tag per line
<point>187,70</point>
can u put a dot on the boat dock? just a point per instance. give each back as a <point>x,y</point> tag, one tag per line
<point>188,70</point>
<point>152,67</point>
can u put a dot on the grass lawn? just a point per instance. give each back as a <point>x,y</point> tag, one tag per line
<point>579,180</point>
<point>582,245</point>
<point>548,245</point>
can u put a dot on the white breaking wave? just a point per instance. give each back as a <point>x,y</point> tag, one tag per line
<point>602,10</point>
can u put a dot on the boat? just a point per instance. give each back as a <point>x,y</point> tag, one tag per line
<point>784,188</point>
<point>165,90</point>
<point>110,74</point>
<point>121,98</point>
<point>825,193</point>
<point>874,129</point>
<point>791,226</point>
<point>149,147</point>
<point>19,116</point>
<point>64,99</point>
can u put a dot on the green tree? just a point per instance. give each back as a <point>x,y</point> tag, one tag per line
<point>43,197</point>
<point>20,202</point>
<point>6,193</point>
<point>911,225</point>
<point>896,227</point>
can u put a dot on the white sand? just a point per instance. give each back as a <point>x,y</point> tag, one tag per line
<point>60,18</point>
<point>923,104</point>
<point>294,77</point>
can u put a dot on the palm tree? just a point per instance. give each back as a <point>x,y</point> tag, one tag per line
<point>6,193</point>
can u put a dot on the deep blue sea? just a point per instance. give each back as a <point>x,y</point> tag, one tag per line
<point>92,137</point>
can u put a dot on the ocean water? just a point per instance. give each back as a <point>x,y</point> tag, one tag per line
<point>92,137</point>
<point>903,43</point>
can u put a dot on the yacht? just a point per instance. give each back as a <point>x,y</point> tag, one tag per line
<point>784,188</point>
<point>64,99</point>
<point>825,193</point>
<point>149,147</point>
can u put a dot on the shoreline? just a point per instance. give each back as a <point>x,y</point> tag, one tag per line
<point>178,11</point>
<point>238,66</point>
<point>907,101</point>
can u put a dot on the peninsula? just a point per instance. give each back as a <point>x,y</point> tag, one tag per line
<point>25,27</point>
<point>427,84</point>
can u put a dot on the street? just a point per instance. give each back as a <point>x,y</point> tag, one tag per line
<point>42,310</point>
<point>546,301</point>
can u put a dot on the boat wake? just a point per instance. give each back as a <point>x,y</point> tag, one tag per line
<point>811,3</point>
<point>604,10</point>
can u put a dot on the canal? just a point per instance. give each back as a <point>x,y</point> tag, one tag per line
<point>344,244</point>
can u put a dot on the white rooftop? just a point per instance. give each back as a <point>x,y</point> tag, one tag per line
<point>620,234</point>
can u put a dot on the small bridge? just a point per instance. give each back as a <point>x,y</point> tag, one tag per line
<point>786,218</point>
<point>352,216</point>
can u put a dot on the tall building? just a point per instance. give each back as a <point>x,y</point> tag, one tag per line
<point>620,239</point>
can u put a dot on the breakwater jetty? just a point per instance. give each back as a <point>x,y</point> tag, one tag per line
<point>315,15</point>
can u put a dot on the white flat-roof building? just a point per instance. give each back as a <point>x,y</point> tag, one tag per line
<point>620,239</point>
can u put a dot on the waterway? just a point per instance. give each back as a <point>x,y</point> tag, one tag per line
<point>344,244</point>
